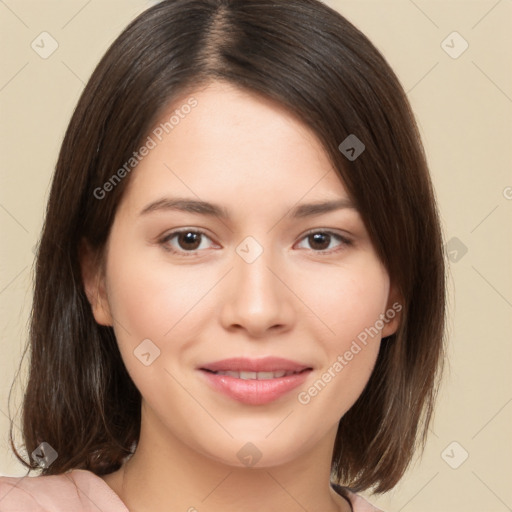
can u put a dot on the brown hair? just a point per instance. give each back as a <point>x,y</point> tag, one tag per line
<point>306,56</point>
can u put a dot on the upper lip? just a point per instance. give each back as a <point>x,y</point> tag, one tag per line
<point>265,364</point>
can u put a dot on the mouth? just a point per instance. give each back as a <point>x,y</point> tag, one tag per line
<point>265,365</point>
<point>255,381</point>
<point>248,375</point>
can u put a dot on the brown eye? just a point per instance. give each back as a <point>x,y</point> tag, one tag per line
<point>183,241</point>
<point>320,241</point>
<point>189,240</point>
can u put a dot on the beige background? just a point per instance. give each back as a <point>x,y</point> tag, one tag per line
<point>464,108</point>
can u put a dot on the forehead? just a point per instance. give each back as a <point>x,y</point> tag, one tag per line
<point>235,146</point>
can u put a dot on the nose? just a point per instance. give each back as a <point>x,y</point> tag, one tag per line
<point>258,297</point>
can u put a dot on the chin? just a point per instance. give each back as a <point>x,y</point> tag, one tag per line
<point>258,451</point>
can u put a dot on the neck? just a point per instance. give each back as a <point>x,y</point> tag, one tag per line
<point>165,474</point>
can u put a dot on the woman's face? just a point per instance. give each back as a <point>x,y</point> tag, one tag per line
<point>271,280</point>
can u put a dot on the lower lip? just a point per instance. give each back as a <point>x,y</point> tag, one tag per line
<point>252,391</point>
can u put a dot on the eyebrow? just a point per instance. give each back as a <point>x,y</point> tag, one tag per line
<point>214,210</point>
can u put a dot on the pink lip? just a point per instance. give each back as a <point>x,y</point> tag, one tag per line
<point>253,391</point>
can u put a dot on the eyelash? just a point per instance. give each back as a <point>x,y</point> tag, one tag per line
<point>345,242</point>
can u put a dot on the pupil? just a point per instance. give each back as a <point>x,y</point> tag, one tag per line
<point>318,238</point>
<point>190,238</point>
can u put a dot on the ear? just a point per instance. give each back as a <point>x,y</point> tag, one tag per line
<point>94,284</point>
<point>393,315</point>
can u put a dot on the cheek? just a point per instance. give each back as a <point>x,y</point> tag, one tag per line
<point>347,299</point>
<point>150,300</point>
<point>350,302</point>
<point>140,300</point>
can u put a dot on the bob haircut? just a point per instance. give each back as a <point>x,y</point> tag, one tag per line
<point>304,55</point>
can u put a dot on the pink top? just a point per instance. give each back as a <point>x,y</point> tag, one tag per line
<point>81,491</point>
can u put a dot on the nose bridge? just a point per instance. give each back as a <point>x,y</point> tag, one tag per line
<point>259,300</point>
<point>254,279</point>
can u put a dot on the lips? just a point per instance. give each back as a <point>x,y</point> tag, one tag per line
<point>255,381</point>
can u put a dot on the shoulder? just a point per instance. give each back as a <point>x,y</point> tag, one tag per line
<point>358,503</point>
<point>77,490</point>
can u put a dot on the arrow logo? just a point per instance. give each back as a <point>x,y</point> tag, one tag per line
<point>40,455</point>
<point>249,454</point>
<point>249,249</point>
<point>146,352</point>
<point>454,45</point>
<point>455,249</point>
<point>44,455</point>
<point>351,147</point>
<point>454,455</point>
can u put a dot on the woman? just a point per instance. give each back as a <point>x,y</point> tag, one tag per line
<point>289,356</point>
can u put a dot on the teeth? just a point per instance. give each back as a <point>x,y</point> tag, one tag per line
<point>268,375</point>
<point>248,375</point>
<point>256,375</point>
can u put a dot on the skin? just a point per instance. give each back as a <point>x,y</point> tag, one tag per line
<point>298,300</point>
